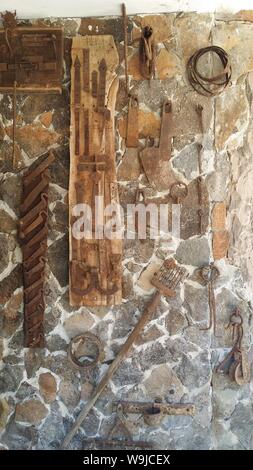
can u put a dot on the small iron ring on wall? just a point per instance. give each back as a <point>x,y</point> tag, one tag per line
<point>204,85</point>
<point>76,343</point>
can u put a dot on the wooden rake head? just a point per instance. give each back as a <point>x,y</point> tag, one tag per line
<point>168,277</point>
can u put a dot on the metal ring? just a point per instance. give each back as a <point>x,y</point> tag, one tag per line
<point>79,341</point>
<point>209,273</point>
<point>178,190</point>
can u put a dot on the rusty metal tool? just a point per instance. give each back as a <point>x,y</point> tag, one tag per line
<point>86,70</point>
<point>155,160</point>
<point>209,274</point>
<point>165,280</point>
<point>85,351</point>
<point>147,53</point>
<point>33,237</point>
<point>154,412</point>
<point>236,362</point>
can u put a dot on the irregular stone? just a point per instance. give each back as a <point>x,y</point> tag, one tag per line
<point>219,216</point>
<point>26,391</point>
<point>224,403</point>
<point>232,110</point>
<point>11,191</point>
<point>130,168</point>
<point>91,425</point>
<point>193,32</point>
<point>48,387</point>
<point>59,169</point>
<point>33,359</point>
<point>195,372</point>
<point>31,411</point>
<point>78,323</point>
<point>10,378</point>
<point>242,424</point>
<point>7,158</point>
<point>128,373</point>
<point>175,321</point>
<point>220,244</point>
<point>126,317</point>
<point>7,223</point>
<point>197,300</point>
<point>36,104</point>
<point>225,439</point>
<point>18,437</point>
<point>164,382</point>
<point>56,343</point>
<point>69,393</point>
<point>127,286</point>
<point>193,251</point>
<point>86,391</point>
<point>17,341</point>
<point>167,64</point>
<point>58,260</point>
<point>11,310</point>
<point>60,217</point>
<point>4,252</point>
<point>51,318</point>
<point>150,334</point>
<point>34,139</point>
<point>187,161</point>
<point>149,125</point>
<point>233,40</point>
<point>4,413</point>
<point>46,119</point>
<point>52,431</point>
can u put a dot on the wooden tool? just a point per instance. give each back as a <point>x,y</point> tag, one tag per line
<point>155,160</point>
<point>95,262</point>
<point>165,280</point>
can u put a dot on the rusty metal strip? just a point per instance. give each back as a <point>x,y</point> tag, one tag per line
<point>33,195</point>
<point>102,86</point>
<point>94,83</point>
<point>86,70</point>
<point>77,82</point>
<point>86,132</point>
<point>187,409</point>
<point>32,174</point>
<point>77,131</point>
<point>33,233</point>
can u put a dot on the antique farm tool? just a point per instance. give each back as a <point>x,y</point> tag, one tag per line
<point>154,412</point>
<point>209,274</point>
<point>155,160</point>
<point>33,237</point>
<point>165,280</point>
<point>84,351</point>
<point>30,61</point>
<point>204,84</point>
<point>95,259</point>
<point>236,362</point>
<point>147,53</point>
<point>122,427</point>
<point>30,56</point>
<point>200,191</point>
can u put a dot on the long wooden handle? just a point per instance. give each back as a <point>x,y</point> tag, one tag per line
<point>149,311</point>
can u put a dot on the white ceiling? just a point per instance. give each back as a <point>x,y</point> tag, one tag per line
<point>80,8</point>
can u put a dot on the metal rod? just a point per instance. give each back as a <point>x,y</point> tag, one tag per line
<point>124,14</point>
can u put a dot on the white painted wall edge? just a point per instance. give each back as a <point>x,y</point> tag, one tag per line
<point>28,9</point>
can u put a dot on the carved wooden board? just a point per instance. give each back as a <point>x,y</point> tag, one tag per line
<point>33,58</point>
<point>95,263</point>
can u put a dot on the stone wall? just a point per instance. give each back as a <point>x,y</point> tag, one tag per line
<point>40,393</point>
